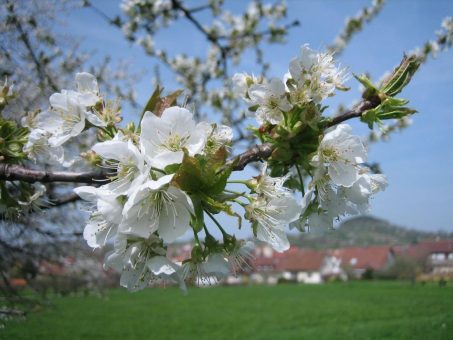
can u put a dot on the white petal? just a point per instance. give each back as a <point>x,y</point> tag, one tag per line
<point>116,150</point>
<point>94,119</point>
<point>87,99</point>
<point>343,174</point>
<point>87,193</point>
<point>161,265</point>
<point>216,265</point>
<point>275,237</point>
<point>165,158</point>
<point>286,207</point>
<point>174,220</point>
<point>111,209</point>
<point>97,235</point>
<point>86,82</point>
<point>178,117</point>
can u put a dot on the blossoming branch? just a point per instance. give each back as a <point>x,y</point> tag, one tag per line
<point>169,174</point>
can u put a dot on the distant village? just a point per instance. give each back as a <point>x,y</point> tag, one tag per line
<point>424,261</point>
<point>419,262</point>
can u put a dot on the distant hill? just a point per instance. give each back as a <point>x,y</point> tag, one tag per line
<point>364,231</point>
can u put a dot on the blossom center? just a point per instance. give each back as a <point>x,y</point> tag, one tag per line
<point>175,142</point>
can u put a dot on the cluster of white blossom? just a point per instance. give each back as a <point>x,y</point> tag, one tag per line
<point>140,208</point>
<point>271,209</point>
<point>444,41</point>
<point>229,35</point>
<point>69,114</point>
<point>312,77</point>
<point>160,184</point>
<point>240,29</point>
<point>341,184</point>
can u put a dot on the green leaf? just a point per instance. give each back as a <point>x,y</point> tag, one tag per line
<point>370,90</point>
<point>215,207</point>
<point>172,168</point>
<point>198,219</point>
<point>205,174</point>
<point>369,117</point>
<point>189,175</point>
<point>390,108</point>
<point>253,108</point>
<point>166,102</point>
<point>157,105</point>
<point>152,101</point>
<point>401,76</point>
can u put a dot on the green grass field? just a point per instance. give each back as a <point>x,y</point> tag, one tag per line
<point>359,310</point>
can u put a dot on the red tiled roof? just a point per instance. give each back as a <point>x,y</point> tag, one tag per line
<point>301,260</point>
<point>294,259</point>
<point>439,246</point>
<point>18,282</point>
<point>46,267</point>
<point>424,248</point>
<point>375,257</point>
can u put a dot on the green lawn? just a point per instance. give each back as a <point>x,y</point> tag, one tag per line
<point>359,310</point>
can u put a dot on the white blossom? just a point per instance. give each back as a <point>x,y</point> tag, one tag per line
<point>216,136</point>
<point>127,163</point>
<point>156,206</point>
<point>209,271</point>
<point>359,193</point>
<point>105,215</point>
<point>163,138</point>
<point>271,100</point>
<point>65,118</point>
<point>271,187</point>
<point>316,75</point>
<point>341,152</point>
<point>241,85</point>
<point>269,217</point>
<point>240,256</point>
<point>141,261</point>
<point>39,149</point>
<point>69,110</point>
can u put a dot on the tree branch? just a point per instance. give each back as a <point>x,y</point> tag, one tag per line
<point>258,152</point>
<point>212,38</point>
<point>264,151</point>
<point>11,172</point>
<point>254,154</point>
<point>69,198</point>
<point>355,112</point>
<point>42,74</point>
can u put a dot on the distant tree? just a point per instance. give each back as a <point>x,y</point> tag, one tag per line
<point>406,268</point>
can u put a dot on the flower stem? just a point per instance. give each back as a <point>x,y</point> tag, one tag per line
<point>158,170</point>
<point>216,222</point>
<point>241,194</point>
<point>206,229</point>
<point>240,203</point>
<point>238,181</point>
<point>301,180</point>
<point>197,240</point>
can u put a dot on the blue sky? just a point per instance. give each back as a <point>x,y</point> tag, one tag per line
<point>418,162</point>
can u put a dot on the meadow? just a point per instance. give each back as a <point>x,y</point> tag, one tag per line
<point>354,310</point>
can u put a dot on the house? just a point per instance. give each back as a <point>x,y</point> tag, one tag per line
<point>440,255</point>
<point>354,261</point>
<point>302,265</point>
<point>437,255</point>
<point>265,266</point>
